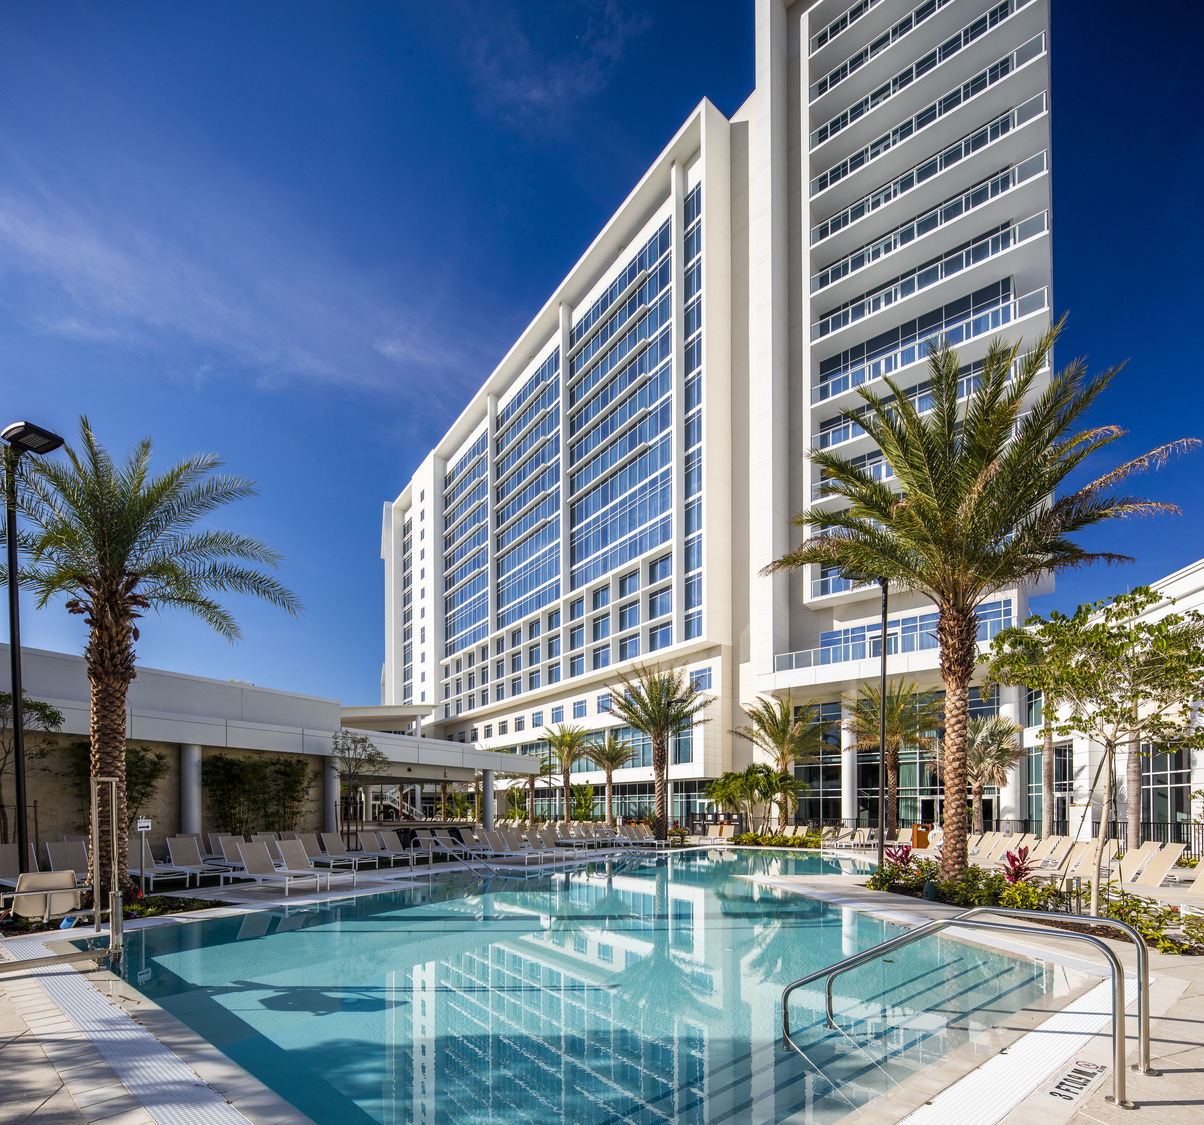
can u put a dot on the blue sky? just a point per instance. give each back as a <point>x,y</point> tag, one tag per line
<point>300,234</point>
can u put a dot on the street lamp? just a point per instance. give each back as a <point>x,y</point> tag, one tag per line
<point>882,733</point>
<point>22,438</point>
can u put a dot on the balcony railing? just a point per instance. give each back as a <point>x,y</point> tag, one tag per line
<point>982,249</point>
<point>969,328</point>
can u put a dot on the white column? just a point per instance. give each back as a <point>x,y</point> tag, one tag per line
<point>848,770</point>
<point>487,799</point>
<point>1012,805</point>
<point>190,789</point>
<point>330,819</point>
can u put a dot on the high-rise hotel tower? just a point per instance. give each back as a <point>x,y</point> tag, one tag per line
<point>612,492</point>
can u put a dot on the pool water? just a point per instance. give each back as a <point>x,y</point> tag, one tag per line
<point>632,990</point>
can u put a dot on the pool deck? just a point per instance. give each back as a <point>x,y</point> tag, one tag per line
<point>80,1047</point>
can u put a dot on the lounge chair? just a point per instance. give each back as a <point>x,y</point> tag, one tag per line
<point>292,853</point>
<point>269,841</point>
<point>185,854</point>
<point>1132,861</point>
<point>153,870</point>
<point>258,865</point>
<point>1157,869</point>
<point>71,856</point>
<point>333,844</point>
<point>8,863</point>
<point>43,895</point>
<point>1188,895</point>
<point>231,851</point>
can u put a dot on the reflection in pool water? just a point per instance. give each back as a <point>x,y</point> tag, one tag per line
<point>628,990</point>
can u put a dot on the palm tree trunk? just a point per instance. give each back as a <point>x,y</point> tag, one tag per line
<point>1133,794</point>
<point>110,662</point>
<point>610,800</point>
<point>978,818</point>
<point>443,801</point>
<point>531,802</point>
<point>892,793</point>
<point>660,774</point>
<point>568,789</point>
<point>1047,777</point>
<point>957,633</point>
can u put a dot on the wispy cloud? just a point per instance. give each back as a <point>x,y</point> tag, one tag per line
<point>538,84</point>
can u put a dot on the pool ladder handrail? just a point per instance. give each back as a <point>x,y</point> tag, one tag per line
<point>967,919</point>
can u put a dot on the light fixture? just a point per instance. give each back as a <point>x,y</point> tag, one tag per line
<point>22,438</point>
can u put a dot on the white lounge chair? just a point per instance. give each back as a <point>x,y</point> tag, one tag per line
<point>258,865</point>
<point>292,853</point>
<point>185,853</point>
<point>153,870</point>
<point>71,856</point>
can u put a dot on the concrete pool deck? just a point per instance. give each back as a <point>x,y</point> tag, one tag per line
<point>62,1065</point>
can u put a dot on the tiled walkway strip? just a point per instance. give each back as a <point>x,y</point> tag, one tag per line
<point>171,1092</point>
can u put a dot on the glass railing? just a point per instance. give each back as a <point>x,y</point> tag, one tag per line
<point>907,234</point>
<point>931,113</point>
<point>973,326</point>
<point>982,249</point>
<point>831,584</point>
<point>841,23</point>
<point>987,134</point>
<point>927,63</point>
<point>872,463</point>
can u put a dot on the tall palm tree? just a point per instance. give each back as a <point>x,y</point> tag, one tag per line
<point>975,510</point>
<point>610,754</point>
<point>992,751</point>
<point>568,745</point>
<point>116,541</point>
<point>786,733</point>
<point>913,718</point>
<point>659,703</point>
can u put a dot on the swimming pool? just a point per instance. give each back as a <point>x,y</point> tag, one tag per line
<point>639,989</point>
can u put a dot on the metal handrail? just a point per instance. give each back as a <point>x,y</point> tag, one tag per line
<point>1116,970</point>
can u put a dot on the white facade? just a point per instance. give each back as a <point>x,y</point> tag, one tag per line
<point>612,492</point>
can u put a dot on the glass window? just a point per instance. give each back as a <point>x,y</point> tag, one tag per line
<point>601,627</point>
<point>500,670</point>
<point>503,727</point>
<point>500,646</point>
<point>516,661</point>
<point>660,603</point>
<point>488,730</point>
<point>601,657</point>
<point>516,686</point>
<point>629,647</point>
<point>576,665</point>
<point>558,714</point>
<point>1034,717</point>
<point>533,630</point>
<point>537,719</point>
<point>660,569</point>
<point>554,619</point>
<point>576,608</point>
<point>519,724</point>
<point>700,679</point>
<point>604,703</point>
<point>629,615</point>
<point>533,654</point>
<point>629,584</point>
<point>553,673</point>
<point>578,708</point>
<point>576,636</point>
<point>553,647</point>
<point>602,597</point>
<point>533,679</point>
<point>660,637</point>
<point>516,638</point>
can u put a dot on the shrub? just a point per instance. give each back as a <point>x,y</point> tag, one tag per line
<point>1017,867</point>
<point>1027,896</point>
<point>973,887</point>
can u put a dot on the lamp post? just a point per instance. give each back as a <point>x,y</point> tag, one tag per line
<point>882,732</point>
<point>22,438</point>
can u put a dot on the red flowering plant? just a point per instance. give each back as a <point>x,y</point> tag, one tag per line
<point>1017,867</point>
<point>899,855</point>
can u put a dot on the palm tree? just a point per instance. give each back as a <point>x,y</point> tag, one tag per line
<point>788,734</point>
<point>116,541</point>
<point>568,745</point>
<point>912,719</point>
<point>610,754</point>
<point>975,509</point>
<point>727,791</point>
<point>992,751</point>
<point>659,704</point>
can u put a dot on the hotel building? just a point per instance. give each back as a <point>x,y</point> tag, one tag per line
<point>612,492</point>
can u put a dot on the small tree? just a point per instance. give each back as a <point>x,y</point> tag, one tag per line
<point>235,786</point>
<point>358,759</point>
<point>1124,679</point>
<point>40,720</point>
<point>786,733</point>
<point>145,769</point>
<point>287,781</point>
<point>547,767</point>
<point>1020,656</point>
<point>992,751</point>
<point>913,718</point>
<point>610,754</point>
<point>583,802</point>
